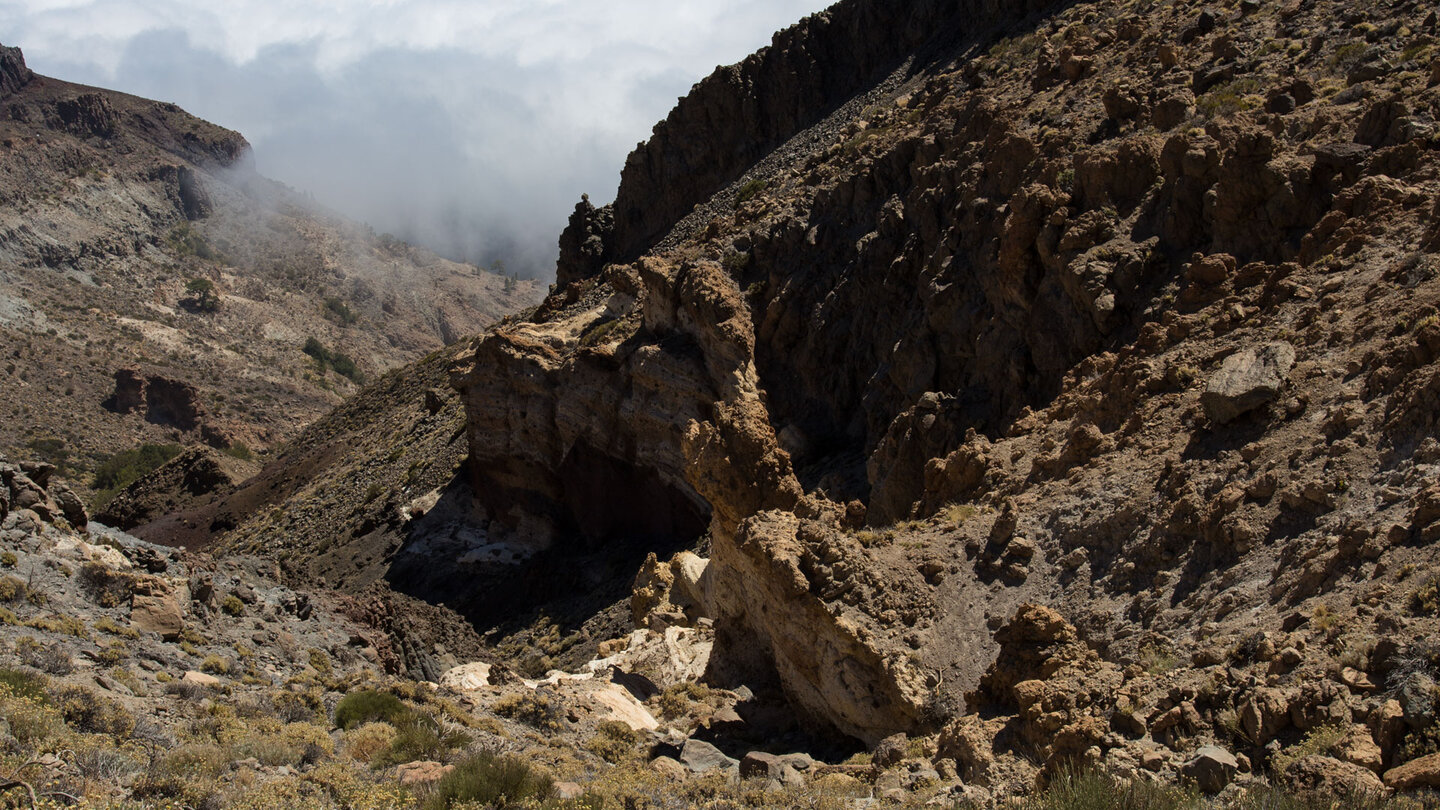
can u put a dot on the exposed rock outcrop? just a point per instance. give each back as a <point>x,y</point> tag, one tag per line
<point>13,73</point>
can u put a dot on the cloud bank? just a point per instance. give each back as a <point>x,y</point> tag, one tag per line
<point>469,126</point>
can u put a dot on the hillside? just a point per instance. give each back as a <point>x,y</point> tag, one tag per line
<point>1006,390</point>
<point>155,289</point>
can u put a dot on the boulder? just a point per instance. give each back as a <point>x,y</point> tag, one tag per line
<point>1417,773</point>
<point>423,772</point>
<point>889,751</point>
<point>1328,776</point>
<point>568,791</point>
<point>467,677</point>
<point>1246,380</point>
<point>701,757</point>
<point>669,767</point>
<point>199,678</point>
<point>154,609</point>
<point>1211,769</point>
<point>758,764</point>
<point>1359,748</point>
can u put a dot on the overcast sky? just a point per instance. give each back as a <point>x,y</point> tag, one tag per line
<point>471,126</point>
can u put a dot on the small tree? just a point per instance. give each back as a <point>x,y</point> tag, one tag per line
<point>206,299</point>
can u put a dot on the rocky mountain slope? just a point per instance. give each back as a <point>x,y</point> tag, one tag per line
<point>1056,389</point>
<point>1083,344</point>
<point>154,288</point>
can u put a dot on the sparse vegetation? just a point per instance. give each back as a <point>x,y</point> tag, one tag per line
<point>121,469</point>
<point>485,780</point>
<point>750,190</point>
<point>204,297</point>
<point>339,362</point>
<point>368,706</point>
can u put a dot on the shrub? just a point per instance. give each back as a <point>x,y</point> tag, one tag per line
<point>8,559</point>
<point>530,709</point>
<point>31,720</point>
<point>750,191</point>
<point>86,711</point>
<point>296,706</point>
<point>1320,740</point>
<point>205,298</point>
<point>123,468</point>
<point>491,781</point>
<point>420,736</point>
<point>1093,790</point>
<point>613,741</point>
<point>60,623</point>
<point>239,450</point>
<point>232,606</point>
<point>51,658</point>
<point>676,700</point>
<point>23,683</point>
<point>339,362</point>
<point>107,587</point>
<point>365,743</point>
<point>105,624</point>
<point>215,665</point>
<point>368,706</point>
<point>12,589</point>
<point>338,311</point>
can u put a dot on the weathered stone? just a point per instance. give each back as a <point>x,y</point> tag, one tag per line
<point>889,751</point>
<point>1246,380</point>
<point>1331,777</point>
<point>154,609</point>
<point>199,678</point>
<point>701,757</point>
<point>1417,773</point>
<point>467,677</point>
<point>567,791</point>
<point>421,772</point>
<point>1211,769</point>
<point>669,767</point>
<point>760,764</point>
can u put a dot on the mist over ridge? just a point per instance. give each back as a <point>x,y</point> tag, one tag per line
<point>471,129</point>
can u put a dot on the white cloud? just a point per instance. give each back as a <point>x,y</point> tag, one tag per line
<point>472,125</point>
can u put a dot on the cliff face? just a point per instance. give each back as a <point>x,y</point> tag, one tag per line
<point>741,112</point>
<point>1083,316</point>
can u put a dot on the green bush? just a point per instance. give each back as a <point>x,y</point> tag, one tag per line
<point>750,191</point>
<point>340,312</point>
<point>491,781</point>
<point>614,741</point>
<point>12,589</point>
<point>206,299</point>
<point>239,450</point>
<point>358,708</point>
<point>23,683</point>
<point>120,470</point>
<point>338,362</point>
<point>89,712</point>
<point>419,736</point>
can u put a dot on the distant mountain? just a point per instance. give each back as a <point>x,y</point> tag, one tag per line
<point>137,240</point>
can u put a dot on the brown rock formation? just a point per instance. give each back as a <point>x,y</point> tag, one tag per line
<point>988,330</point>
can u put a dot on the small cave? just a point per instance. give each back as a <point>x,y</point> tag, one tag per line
<point>608,500</point>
